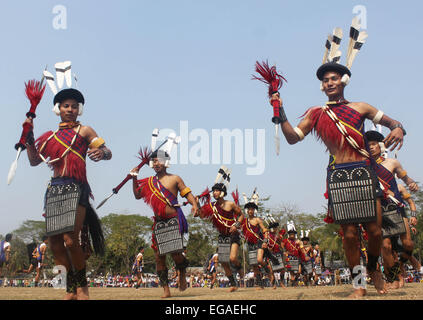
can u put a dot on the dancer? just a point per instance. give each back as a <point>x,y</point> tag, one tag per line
<point>212,268</point>
<point>224,214</point>
<point>293,249</point>
<point>161,193</point>
<point>340,125</point>
<point>394,216</point>
<point>256,235</point>
<point>68,212</point>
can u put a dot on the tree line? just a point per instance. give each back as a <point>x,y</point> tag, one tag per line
<point>125,233</point>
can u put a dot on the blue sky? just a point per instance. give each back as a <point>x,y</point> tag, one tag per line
<point>147,64</point>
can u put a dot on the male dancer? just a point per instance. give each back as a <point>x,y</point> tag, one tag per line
<point>137,267</point>
<point>223,214</point>
<point>161,193</point>
<point>276,246</point>
<point>340,125</point>
<point>317,263</point>
<point>307,258</point>
<point>38,259</point>
<point>293,249</point>
<point>256,235</point>
<point>5,249</point>
<point>386,169</point>
<point>67,207</point>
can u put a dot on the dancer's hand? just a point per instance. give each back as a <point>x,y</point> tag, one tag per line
<point>394,138</point>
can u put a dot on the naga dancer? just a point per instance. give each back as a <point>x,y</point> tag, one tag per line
<point>160,192</point>
<point>224,214</point>
<point>395,222</point>
<point>38,258</point>
<point>256,235</point>
<point>307,258</point>
<point>340,125</point>
<point>68,212</point>
<point>275,246</point>
<point>294,252</point>
<point>317,263</point>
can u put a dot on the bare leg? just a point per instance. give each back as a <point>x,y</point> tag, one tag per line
<point>374,232</point>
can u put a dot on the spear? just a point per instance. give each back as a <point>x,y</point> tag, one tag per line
<point>34,90</point>
<point>144,156</point>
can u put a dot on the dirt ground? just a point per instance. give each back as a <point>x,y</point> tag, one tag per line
<point>412,291</point>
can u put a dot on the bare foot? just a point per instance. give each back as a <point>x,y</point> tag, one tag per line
<point>70,296</point>
<point>232,289</point>
<point>166,292</point>
<point>259,288</point>
<point>378,282</point>
<point>182,281</point>
<point>358,293</point>
<point>82,293</point>
<point>401,280</point>
<point>394,285</point>
<point>274,287</point>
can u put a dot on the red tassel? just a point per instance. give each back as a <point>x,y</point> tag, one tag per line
<point>204,197</point>
<point>144,156</point>
<point>328,218</point>
<point>325,130</point>
<point>158,206</point>
<point>282,232</point>
<point>269,76</point>
<point>75,166</point>
<point>34,90</point>
<point>235,196</point>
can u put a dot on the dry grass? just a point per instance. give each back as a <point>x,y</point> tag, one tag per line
<point>412,291</point>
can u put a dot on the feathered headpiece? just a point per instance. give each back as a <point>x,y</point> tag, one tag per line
<point>332,53</point>
<point>163,153</point>
<point>305,235</point>
<point>222,181</point>
<point>63,74</point>
<point>252,202</point>
<point>291,227</point>
<point>271,222</point>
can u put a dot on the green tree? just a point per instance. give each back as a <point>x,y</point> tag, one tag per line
<point>124,234</point>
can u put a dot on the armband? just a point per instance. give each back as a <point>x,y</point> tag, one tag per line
<point>185,192</point>
<point>299,132</point>
<point>401,174</point>
<point>399,125</point>
<point>96,143</point>
<point>406,196</point>
<point>237,224</point>
<point>413,214</point>
<point>378,117</point>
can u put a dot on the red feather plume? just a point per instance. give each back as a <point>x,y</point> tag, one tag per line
<point>144,155</point>
<point>269,76</point>
<point>34,90</point>
<point>235,196</point>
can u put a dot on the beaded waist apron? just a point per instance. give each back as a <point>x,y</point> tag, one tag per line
<point>224,248</point>
<point>167,236</point>
<point>280,266</point>
<point>392,221</point>
<point>353,189</point>
<point>61,203</point>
